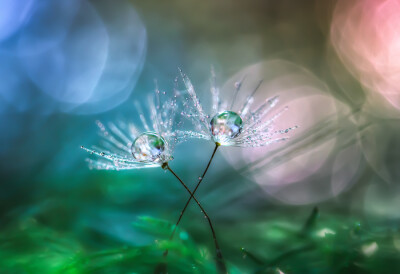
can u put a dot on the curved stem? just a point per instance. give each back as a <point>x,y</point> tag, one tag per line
<point>221,264</point>
<point>194,191</point>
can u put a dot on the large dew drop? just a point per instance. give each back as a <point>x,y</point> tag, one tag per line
<point>226,126</point>
<point>148,147</point>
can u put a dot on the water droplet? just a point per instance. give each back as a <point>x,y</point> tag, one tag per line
<point>200,178</point>
<point>225,126</point>
<point>148,147</point>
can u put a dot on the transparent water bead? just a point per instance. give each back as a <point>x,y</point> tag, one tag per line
<point>226,126</point>
<point>148,147</point>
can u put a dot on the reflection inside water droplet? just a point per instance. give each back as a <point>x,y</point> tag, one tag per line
<point>148,147</point>
<point>225,126</point>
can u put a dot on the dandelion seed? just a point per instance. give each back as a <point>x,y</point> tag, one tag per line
<point>243,126</point>
<point>124,147</point>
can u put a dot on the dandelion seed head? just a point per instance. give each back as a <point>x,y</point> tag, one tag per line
<point>231,123</point>
<point>125,146</point>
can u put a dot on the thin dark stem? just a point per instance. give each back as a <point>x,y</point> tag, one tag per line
<point>221,264</point>
<point>194,191</point>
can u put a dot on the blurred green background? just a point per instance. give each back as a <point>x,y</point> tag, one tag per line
<point>324,202</point>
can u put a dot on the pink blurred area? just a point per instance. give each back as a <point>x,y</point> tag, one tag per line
<point>320,161</point>
<point>366,36</point>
